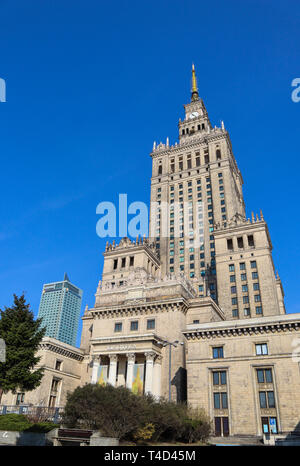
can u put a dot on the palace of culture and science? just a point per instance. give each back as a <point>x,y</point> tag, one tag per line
<point>196,311</point>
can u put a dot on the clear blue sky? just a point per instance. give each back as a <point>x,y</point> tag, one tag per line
<point>91,84</point>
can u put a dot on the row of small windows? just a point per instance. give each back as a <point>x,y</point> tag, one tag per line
<point>200,126</point>
<point>240,242</point>
<point>134,325</point>
<point>189,163</point>
<point>123,262</point>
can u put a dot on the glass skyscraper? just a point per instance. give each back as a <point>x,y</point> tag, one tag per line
<point>60,310</point>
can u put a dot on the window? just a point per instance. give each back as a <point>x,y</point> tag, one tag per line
<point>231,268</point>
<point>242,266</point>
<point>253,264</point>
<point>54,385</point>
<point>258,310</point>
<point>131,261</point>
<point>246,311</point>
<point>134,325</point>
<point>123,262</point>
<point>118,327</point>
<point>250,240</point>
<point>218,154</point>
<point>229,244</point>
<point>219,378</point>
<point>233,289</point>
<point>264,375</point>
<point>267,399</point>
<point>245,299</point>
<point>261,349</point>
<point>244,288</point>
<point>235,313</point>
<point>254,275</point>
<point>58,365</point>
<point>256,286</point>
<point>220,401</point>
<point>150,324</point>
<point>20,398</point>
<point>218,352</point>
<point>115,263</point>
<point>160,169</point>
<point>243,276</point>
<point>232,278</point>
<point>240,242</point>
<point>257,298</point>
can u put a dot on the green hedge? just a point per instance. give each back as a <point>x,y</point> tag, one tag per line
<point>20,423</point>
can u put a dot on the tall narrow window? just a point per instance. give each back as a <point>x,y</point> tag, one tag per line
<point>229,244</point>
<point>240,242</point>
<point>250,240</point>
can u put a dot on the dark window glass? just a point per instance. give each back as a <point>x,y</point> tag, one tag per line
<point>271,399</point>
<point>118,327</point>
<point>218,352</point>
<point>134,325</point>
<point>217,404</point>
<point>262,399</point>
<point>150,324</point>
<point>216,378</point>
<point>224,400</point>
<point>268,374</point>
<point>260,376</point>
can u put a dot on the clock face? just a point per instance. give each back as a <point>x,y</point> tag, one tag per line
<point>194,115</point>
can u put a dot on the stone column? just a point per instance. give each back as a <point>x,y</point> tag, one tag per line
<point>96,364</point>
<point>130,366</point>
<point>157,377</point>
<point>149,372</point>
<point>112,369</point>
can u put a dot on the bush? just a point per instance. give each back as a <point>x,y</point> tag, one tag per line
<point>20,423</point>
<point>117,412</point>
<point>144,433</point>
<point>16,422</point>
<point>41,427</point>
<point>196,427</point>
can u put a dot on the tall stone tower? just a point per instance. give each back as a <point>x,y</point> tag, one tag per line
<point>196,193</point>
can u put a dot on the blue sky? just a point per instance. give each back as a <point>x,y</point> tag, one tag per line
<point>91,85</point>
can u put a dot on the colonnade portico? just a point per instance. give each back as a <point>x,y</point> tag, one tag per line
<point>150,359</point>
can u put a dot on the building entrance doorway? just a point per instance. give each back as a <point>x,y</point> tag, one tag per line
<point>221,426</point>
<point>269,425</point>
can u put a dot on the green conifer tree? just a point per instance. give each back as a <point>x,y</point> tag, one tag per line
<point>22,335</point>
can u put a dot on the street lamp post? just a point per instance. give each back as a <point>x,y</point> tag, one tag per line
<point>170,344</point>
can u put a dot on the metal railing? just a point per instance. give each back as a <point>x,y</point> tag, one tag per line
<point>44,413</point>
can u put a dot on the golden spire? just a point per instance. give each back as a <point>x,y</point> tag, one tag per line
<point>195,95</point>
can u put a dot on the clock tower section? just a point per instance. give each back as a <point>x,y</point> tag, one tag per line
<point>196,116</point>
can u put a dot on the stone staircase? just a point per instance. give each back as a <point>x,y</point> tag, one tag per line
<point>236,441</point>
